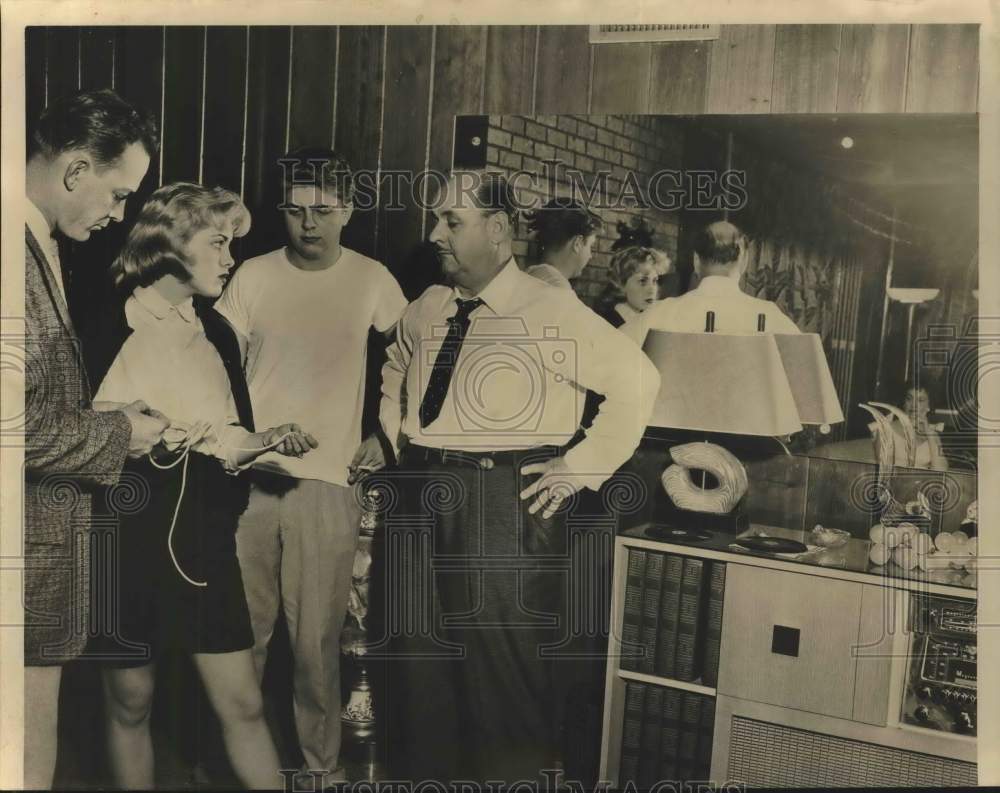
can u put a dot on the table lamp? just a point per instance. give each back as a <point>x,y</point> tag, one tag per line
<point>743,384</point>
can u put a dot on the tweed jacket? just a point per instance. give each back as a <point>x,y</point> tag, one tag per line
<point>70,450</point>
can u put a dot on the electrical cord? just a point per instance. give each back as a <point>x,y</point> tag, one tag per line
<point>185,448</point>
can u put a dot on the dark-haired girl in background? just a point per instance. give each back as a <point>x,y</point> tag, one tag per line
<point>566,232</point>
<point>179,583</point>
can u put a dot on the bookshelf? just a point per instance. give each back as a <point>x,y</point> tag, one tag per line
<point>658,703</point>
<point>667,682</point>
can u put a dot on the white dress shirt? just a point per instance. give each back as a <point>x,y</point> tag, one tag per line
<point>550,275</point>
<point>530,354</point>
<point>735,312</point>
<point>39,228</point>
<point>169,363</point>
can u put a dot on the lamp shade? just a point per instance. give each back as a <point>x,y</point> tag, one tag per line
<point>809,377</point>
<point>908,295</point>
<point>720,382</point>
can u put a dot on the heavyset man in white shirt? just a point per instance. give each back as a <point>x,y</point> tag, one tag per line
<point>720,259</point>
<point>481,391</point>
<point>302,314</point>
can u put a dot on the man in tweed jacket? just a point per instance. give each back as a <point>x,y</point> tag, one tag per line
<point>87,154</point>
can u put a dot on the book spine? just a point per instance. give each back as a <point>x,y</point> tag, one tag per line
<point>651,610</point>
<point>706,733</point>
<point>670,734</point>
<point>670,602</point>
<point>713,623</point>
<point>635,695</point>
<point>632,610</point>
<point>689,625</point>
<point>649,758</point>
<point>687,742</point>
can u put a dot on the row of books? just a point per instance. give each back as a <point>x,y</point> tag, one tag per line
<point>672,618</point>
<point>666,736</point>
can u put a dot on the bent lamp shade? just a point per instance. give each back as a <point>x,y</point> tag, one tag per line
<point>743,384</point>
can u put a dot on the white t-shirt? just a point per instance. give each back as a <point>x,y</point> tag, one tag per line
<point>307,333</point>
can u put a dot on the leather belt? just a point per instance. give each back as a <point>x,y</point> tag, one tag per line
<point>483,458</point>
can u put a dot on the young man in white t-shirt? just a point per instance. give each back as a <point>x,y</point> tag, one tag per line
<point>302,314</point>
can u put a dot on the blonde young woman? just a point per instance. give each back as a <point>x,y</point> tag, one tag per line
<point>633,283</point>
<point>179,582</point>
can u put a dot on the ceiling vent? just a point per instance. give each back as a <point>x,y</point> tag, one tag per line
<point>608,34</point>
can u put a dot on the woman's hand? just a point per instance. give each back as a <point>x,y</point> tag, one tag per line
<point>294,441</point>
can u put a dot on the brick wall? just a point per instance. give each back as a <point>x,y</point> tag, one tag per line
<point>615,145</point>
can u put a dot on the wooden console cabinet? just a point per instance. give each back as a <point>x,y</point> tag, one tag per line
<point>823,710</point>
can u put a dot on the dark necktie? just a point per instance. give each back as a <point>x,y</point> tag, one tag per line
<point>444,364</point>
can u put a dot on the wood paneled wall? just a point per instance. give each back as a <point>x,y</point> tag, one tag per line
<point>232,99</point>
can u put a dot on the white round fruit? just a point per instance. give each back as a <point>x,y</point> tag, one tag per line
<point>879,553</point>
<point>945,541</point>
<point>907,532</point>
<point>971,547</point>
<point>877,533</point>
<point>960,537</point>
<point>904,557</point>
<point>922,543</point>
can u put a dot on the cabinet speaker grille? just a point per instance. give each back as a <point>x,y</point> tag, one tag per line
<point>770,755</point>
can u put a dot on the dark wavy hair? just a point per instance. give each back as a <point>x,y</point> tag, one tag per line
<point>634,234</point>
<point>168,220</point>
<point>98,122</point>
<point>319,167</point>
<point>560,220</point>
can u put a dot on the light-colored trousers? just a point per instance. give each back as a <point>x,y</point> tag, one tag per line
<point>296,543</point>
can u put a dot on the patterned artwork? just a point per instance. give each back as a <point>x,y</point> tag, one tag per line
<point>802,282</point>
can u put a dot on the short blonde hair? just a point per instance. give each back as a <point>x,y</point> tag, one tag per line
<point>626,262</point>
<point>168,220</point>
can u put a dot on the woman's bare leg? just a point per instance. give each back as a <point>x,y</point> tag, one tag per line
<point>128,698</point>
<point>231,682</point>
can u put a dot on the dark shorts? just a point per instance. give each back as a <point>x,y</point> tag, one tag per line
<point>148,606</point>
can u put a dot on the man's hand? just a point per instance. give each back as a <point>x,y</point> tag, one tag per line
<point>369,457</point>
<point>296,444</point>
<point>552,488</point>
<point>147,427</point>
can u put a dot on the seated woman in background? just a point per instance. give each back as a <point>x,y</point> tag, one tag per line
<point>179,582</point>
<point>566,232</point>
<point>633,283</point>
<point>923,449</point>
